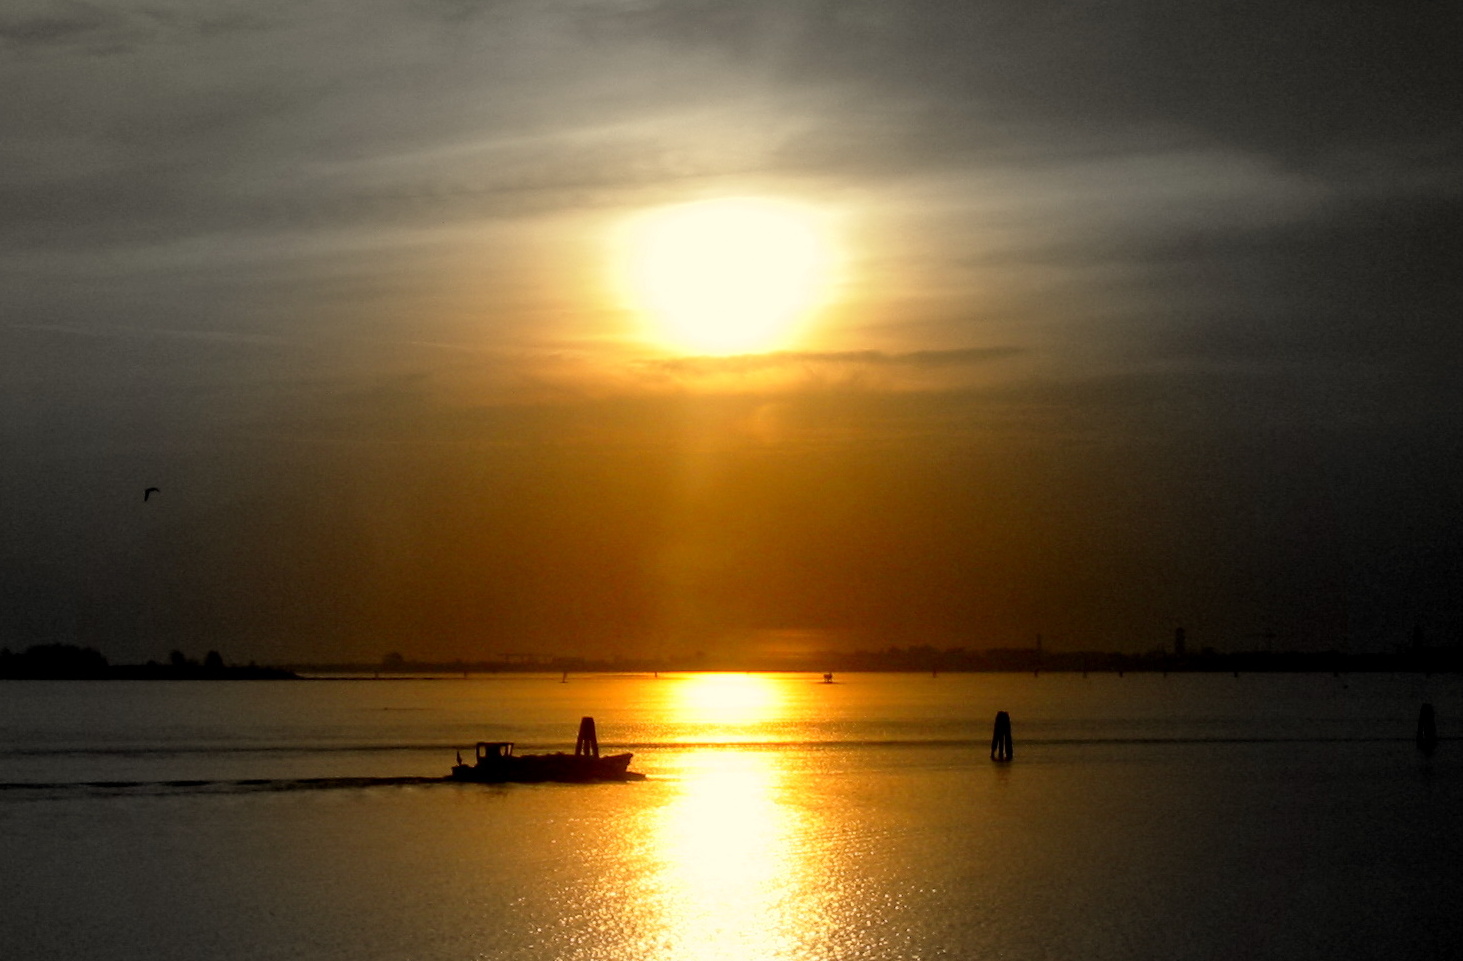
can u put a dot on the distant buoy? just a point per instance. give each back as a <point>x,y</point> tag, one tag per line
<point>1002,748</point>
<point>1427,730</point>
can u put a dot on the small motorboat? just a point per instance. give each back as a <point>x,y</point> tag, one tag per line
<point>495,762</point>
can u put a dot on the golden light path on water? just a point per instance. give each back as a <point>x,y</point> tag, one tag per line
<point>729,879</point>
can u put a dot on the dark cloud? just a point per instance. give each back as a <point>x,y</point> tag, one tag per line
<point>69,24</point>
<point>96,30</point>
<point>1369,287</point>
<point>1295,80</point>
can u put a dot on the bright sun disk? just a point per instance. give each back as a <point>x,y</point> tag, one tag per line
<point>727,276</point>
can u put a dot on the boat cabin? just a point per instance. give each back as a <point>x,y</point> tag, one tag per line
<point>494,750</point>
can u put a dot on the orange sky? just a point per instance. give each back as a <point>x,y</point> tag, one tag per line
<point>1122,327</point>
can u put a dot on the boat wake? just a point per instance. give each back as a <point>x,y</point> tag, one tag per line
<point>238,786</point>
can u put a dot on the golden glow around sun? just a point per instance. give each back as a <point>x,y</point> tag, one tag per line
<point>727,276</point>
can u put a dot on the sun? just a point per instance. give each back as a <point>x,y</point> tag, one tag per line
<point>728,276</point>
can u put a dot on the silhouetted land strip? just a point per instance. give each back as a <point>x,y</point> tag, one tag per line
<point>1436,660</point>
<point>67,662</point>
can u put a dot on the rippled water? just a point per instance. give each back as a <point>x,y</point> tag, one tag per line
<point>1143,817</point>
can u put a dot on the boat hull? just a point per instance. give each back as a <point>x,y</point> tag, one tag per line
<point>530,768</point>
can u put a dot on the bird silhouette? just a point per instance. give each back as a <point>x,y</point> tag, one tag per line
<point>149,492</point>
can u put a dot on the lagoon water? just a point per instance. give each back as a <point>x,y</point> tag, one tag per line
<point>1181,817</point>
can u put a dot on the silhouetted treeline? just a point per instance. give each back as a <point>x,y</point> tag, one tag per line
<point>67,662</point>
<point>54,661</point>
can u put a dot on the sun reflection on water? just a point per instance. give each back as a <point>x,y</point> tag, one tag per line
<point>732,880</point>
<point>733,702</point>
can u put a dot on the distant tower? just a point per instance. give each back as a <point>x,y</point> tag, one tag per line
<point>1178,642</point>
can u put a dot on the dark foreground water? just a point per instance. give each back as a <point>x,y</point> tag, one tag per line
<point>1144,817</point>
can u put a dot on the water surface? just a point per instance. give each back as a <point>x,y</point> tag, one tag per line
<point>1144,817</point>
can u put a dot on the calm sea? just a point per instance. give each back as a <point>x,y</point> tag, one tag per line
<point>1184,817</point>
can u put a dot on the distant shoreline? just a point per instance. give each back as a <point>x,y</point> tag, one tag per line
<point>928,661</point>
<point>66,662</point>
<point>142,672</point>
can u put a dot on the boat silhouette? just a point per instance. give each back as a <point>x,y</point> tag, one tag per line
<point>494,763</point>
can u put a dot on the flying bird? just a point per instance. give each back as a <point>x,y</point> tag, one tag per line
<point>149,492</point>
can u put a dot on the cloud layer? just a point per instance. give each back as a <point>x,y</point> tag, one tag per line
<point>1150,317</point>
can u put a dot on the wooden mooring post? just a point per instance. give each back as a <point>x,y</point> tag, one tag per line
<point>1427,730</point>
<point>587,744</point>
<point>1001,746</point>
